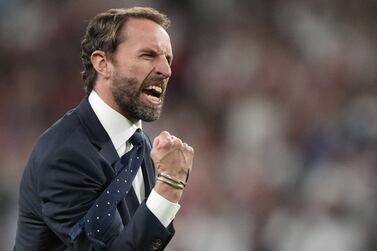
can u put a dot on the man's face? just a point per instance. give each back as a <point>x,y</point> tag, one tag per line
<point>141,70</point>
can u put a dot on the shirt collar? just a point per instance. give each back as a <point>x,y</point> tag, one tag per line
<point>118,127</point>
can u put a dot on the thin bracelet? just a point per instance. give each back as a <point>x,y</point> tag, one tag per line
<point>172,179</point>
<point>170,183</point>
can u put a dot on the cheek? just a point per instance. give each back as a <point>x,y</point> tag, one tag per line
<point>140,69</point>
<point>135,69</point>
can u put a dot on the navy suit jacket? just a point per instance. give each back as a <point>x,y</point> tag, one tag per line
<point>71,164</point>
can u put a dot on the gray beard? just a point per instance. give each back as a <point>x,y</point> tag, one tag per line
<point>126,94</point>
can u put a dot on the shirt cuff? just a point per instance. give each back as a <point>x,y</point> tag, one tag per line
<point>162,208</point>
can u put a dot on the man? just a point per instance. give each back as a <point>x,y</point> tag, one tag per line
<point>93,181</point>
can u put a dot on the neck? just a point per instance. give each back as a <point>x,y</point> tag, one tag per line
<point>107,97</point>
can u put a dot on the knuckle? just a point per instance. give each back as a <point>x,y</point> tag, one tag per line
<point>165,133</point>
<point>178,141</point>
<point>191,150</point>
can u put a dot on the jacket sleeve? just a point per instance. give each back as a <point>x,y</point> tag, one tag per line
<point>68,184</point>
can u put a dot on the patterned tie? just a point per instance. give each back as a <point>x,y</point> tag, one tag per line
<point>101,214</point>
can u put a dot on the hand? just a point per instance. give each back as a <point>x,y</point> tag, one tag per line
<point>173,157</point>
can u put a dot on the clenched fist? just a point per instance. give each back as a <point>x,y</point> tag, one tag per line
<point>172,157</point>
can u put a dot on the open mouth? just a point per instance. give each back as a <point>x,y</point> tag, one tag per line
<point>153,93</point>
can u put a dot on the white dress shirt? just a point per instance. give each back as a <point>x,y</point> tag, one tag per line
<point>120,130</point>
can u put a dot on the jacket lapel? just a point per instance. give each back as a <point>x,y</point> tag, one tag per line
<point>96,133</point>
<point>99,137</point>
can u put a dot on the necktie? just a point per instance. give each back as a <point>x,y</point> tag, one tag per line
<point>100,215</point>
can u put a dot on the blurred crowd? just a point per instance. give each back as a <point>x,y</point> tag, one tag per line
<point>278,98</point>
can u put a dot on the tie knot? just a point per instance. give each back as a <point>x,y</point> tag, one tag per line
<point>137,137</point>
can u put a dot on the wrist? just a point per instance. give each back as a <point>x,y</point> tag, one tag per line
<point>168,192</point>
<point>172,181</point>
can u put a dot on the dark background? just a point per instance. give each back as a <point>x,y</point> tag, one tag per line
<point>278,98</point>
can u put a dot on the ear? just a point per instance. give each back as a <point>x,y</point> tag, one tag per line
<point>100,63</point>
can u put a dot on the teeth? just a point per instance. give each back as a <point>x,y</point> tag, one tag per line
<point>155,88</point>
<point>153,98</point>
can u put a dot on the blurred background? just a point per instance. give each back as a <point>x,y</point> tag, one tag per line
<point>278,98</point>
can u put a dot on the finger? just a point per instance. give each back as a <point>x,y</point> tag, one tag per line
<point>164,139</point>
<point>156,141</point>
<point>188,149</point>
<point>177,142</point>
<point>165,134</point>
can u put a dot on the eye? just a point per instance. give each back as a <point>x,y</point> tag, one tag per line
<point>148,54</point>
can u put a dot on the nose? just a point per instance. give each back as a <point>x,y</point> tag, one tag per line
<point>163,68</point>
